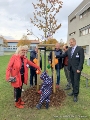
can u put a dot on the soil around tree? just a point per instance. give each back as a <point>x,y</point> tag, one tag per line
<point>31,97</point>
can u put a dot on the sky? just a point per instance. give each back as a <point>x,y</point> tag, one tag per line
<point>15,19</point>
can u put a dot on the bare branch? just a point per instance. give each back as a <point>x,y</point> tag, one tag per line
<point>44,15</point>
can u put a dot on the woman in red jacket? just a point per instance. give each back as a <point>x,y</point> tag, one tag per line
<point>17,67</point>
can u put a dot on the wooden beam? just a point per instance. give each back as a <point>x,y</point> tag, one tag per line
<point>53,72</point>
<point>38,75</point>
<point>46,45</point>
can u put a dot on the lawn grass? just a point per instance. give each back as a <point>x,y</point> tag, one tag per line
<point>68,111</point>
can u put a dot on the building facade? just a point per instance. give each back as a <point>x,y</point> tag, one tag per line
<point>1,47</point>
<point>79,26</point>
<point>12,45</point>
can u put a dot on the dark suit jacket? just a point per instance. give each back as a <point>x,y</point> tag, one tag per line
<point>77,60</point>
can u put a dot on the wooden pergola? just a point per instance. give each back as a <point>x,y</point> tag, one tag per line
<point>53,69</point>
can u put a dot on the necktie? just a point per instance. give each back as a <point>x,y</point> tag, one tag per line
<point>72,51</point>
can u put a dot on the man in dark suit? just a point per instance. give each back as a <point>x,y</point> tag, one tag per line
<point>75,65</point>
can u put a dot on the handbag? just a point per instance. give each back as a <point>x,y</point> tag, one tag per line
<point>12,79</point>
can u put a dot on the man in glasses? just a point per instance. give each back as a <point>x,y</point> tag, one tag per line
<point>75,65</point>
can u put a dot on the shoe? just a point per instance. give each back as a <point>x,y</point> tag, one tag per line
<point>21,102</point>
<point>67,88</point>
<point>47,105</point>
<point>38,106</point>
<point>17,104</point>
<point>75,99</point>
<point>70,94</point>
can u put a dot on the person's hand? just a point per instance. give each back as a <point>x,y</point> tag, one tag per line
<point>38,71</point>
<point>49,62</point>
<point>78,71</point>
<point>39,92</point>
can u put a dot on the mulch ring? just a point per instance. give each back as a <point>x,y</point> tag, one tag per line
<point>31,97</point>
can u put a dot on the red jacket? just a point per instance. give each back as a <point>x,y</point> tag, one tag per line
<point>13,70</point>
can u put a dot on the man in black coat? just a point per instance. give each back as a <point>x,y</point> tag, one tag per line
<point>33,55</point>
<point>58,66</point>
<point>75,65</point>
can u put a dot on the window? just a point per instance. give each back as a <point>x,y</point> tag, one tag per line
<point>83,32</point>
<point>89,30</point>
<point>73,18</point>
<point>71,33</point>
<point>84,13</point>
<point>80,16</point>
<point>86,31</point>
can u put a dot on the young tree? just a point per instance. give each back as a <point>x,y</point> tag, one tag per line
<point>45,16</point>
<point>24,41</point>
<point>4,41</point>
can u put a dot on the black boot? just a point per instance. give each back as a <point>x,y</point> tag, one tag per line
<point>75,99</point>
<point>38,106</point>
<point>47,105</point>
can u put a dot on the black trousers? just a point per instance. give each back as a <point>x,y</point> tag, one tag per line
<point>18,90</point>
<point>33,74</point>
<point>75,80</point>
<point>17,93</point>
